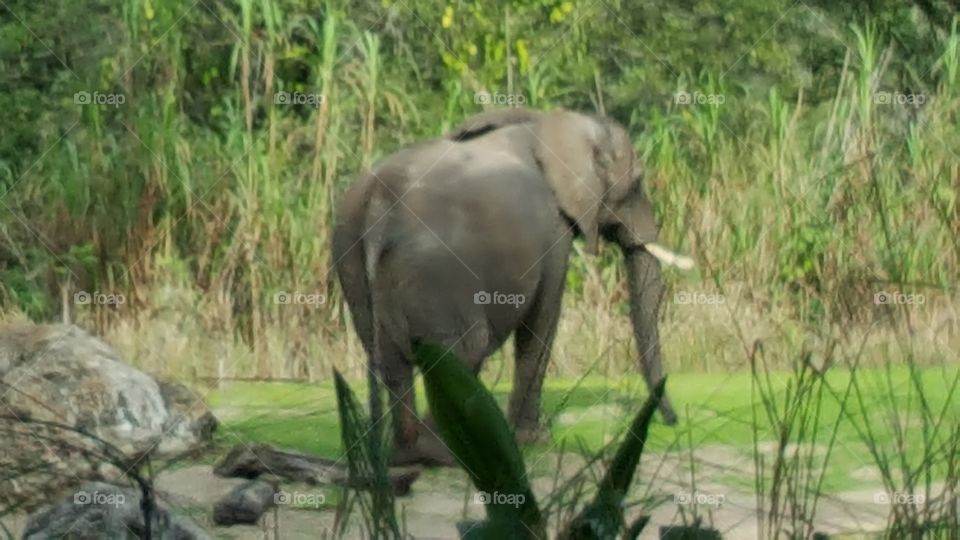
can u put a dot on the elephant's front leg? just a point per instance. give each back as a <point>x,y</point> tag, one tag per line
<point>533,354</point>
<point>533,342</point>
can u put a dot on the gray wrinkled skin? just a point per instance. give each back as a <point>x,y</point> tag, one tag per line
<point>463,241</point>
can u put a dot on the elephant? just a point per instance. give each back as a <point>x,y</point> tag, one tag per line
<point>464,240</point>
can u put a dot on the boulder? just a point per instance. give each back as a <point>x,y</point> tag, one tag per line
<point>59,375</point>
<point>99,510</point>
<point>245,503</point>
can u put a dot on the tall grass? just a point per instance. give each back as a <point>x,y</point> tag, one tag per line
<point>202,183</point>
<point>789,486</point>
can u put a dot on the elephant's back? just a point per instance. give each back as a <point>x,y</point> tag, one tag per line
<point>501,211</point>
<point>464,227</point>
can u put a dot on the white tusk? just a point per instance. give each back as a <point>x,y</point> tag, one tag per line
<point>668,257</point>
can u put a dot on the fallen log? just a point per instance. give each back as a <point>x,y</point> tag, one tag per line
<point>251,461</point>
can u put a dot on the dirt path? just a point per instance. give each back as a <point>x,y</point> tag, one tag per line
<point>442,497</point>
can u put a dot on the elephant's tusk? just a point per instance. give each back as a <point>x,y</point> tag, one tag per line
<point>668,257</point>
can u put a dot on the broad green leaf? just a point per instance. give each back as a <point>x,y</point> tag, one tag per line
<point>473,427</point>
<point>603,517</point>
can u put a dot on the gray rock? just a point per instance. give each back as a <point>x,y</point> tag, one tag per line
<point>99,510</point>
<point>245,503</point>
<point>689,532</point>
<point>62,374</point>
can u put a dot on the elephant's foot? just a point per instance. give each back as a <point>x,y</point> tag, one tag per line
<point>428,450</point>
<point>666,410</point>
<point>534,434</point>
<point>421,456</point>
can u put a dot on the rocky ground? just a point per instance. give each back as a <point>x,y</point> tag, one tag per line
<point>80,381</point>
<point>442,497</point>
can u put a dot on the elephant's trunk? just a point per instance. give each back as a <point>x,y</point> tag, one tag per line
<point>646,291</point>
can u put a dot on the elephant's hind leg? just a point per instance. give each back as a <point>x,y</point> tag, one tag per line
<point>413,441</point>
<point>471,347</point>
<point>401,412</point>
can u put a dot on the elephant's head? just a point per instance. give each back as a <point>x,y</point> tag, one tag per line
<point>590,163</point>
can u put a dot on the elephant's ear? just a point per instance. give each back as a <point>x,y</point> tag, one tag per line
<point>476,126</point>
<point>570,152</point>
<point>617,165</point>
<point>626,200</point>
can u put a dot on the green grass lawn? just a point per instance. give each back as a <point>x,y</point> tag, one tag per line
<point>715,409</point>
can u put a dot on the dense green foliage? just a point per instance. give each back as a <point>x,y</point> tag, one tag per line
<point>803,167</point>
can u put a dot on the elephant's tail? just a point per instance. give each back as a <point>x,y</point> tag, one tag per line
<point>359,242</point>
<point>350,261</point>
<point>668,257</point>
<point>389,323</point>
